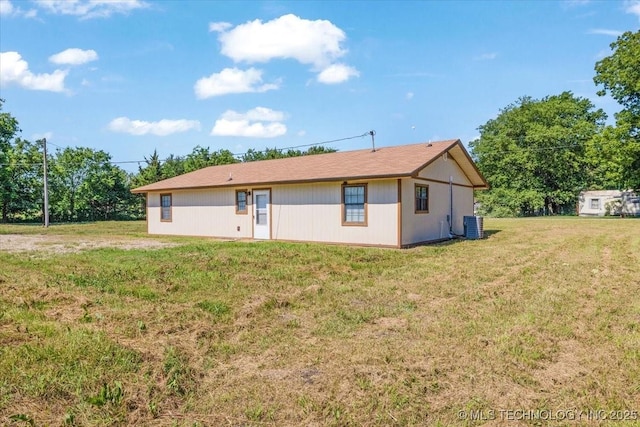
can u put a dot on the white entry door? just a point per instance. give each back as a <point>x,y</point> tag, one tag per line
<point>261,214</point>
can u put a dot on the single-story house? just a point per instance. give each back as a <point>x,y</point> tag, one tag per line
<point>608,202</point>
<point>392,196</point>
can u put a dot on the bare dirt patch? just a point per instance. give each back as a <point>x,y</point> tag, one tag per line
<point>69,244</point>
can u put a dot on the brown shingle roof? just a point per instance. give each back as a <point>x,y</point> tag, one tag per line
<point>385,162</point>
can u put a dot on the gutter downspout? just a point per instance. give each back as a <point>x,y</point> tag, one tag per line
<point>450,216</point>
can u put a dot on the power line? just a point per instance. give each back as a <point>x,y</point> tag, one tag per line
<point>55,145</point>
<point>266,150</point>
<point>315,144</point>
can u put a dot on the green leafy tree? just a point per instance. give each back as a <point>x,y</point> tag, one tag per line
<point>619,74</point>
<point>172,166</point>
<point>24,183</point>
<point>86,186</point>
<point>273,153</point>
<point>255,155</point>
<point>533,154</point>
<point>611,159</point>
<point>150,173</point>
<point>202,157</point>
<point>8,127</point>
<point>8,130</point>
<point>319,149</point>
<point>106,191</point>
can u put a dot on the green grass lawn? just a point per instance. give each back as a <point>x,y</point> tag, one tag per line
<point>542,315</point>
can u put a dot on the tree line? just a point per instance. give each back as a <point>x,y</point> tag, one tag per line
<point>537,155</point>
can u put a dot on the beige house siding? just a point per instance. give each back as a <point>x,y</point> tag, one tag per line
<point>305,212</point>
<point>199,213</point>
<point>313,212</point>
<point>423,227</point>
<point>441,169</point>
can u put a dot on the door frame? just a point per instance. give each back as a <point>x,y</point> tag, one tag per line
<point>254,193</point>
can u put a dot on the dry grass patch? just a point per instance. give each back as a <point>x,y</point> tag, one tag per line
<point>544,314</point>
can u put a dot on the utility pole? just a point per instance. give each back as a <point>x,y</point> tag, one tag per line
<point>46,185</point>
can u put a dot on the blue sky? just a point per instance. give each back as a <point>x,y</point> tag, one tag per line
<point>132,76</point>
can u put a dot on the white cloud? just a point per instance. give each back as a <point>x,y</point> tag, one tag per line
<point>486,56</point>
<point>317,43</point>
<point>337,73</point>
<point>260,122</point>
<point>244,128</point>
<point>219,27</point>
<point>6,8</point>
<point>232,80</point>
<point>302,132</point>
<point>261,114</point>
<point>309,42</point>
<point>409,95</point>
<point>632,7</point>
<point>605,32</point>
<point>74,56</point>
<point>87,9</point>
<point>163,127</point>
<point>14,69</point>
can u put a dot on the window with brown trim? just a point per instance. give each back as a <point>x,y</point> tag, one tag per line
<point>241,201</point>
<point>354,204</point>
<point>165,207</point>
<point>422,198</point>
